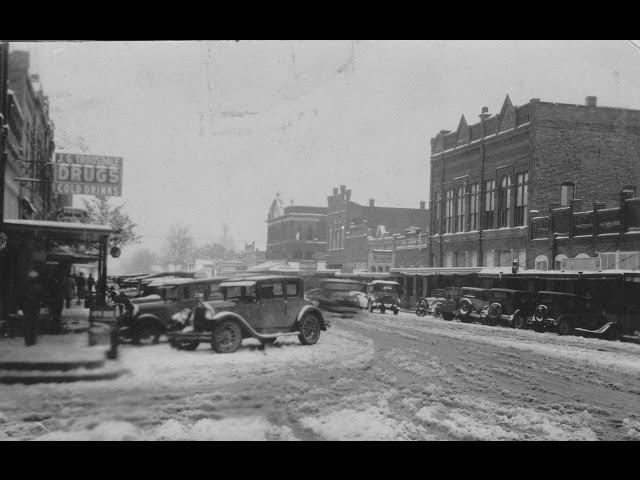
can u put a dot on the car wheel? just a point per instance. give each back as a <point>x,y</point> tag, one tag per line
<point>438,311</point>
<point>382,309</point>
<point>148,335</point>
<point>395,311</point>
<point>447,316</point>
<point>309,330</point>
<point>226,337</point>
<point>518,321</point>
<point>565,327</point>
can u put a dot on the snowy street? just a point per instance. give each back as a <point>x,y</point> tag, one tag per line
<point>371,377</point>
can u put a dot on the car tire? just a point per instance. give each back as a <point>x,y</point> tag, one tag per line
<point>395,311</point>
<point>148,334</point>
<point>309,329</point>
<point>226,337</point>
<point>565,327</point>
<point>438,310</point>
<point>383,310</point>
<point>447,316</point>
<point>518,321</point>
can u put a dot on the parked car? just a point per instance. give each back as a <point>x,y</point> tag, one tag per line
<point>472,301</point>
<point>340,295</point>
<point>143,320</point>
<point>444,302</point>
<point>569,314</point>
<point>509,307</point>
<point>264,308</point>
<point>384,295</point>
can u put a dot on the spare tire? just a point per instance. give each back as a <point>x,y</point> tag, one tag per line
<point>465,307</point>
<point>493,315</point>
<point>540,313</point>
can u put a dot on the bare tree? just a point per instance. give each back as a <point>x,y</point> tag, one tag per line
<point>180,247</point>
<point>103,212</point>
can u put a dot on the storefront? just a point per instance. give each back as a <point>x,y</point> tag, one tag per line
<point>51,248</point>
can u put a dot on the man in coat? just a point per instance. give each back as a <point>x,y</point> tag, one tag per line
<point>69,289</point>
<point>81,283</point>
<point>30,301</point>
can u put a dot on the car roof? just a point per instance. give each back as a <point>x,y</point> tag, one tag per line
<point>239,283</point>
<point>510,290</point>
<point>193,281</point>
<point>475,289</point>
<point>264,278</point>
<point>548,292</point>
<point>342,280</point>
<point>384,282</point>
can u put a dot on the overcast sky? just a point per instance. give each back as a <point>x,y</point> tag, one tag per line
<point>209,131</point>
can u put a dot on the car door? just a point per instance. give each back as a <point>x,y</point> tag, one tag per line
<point>295,302</point>
<point>272,305</point>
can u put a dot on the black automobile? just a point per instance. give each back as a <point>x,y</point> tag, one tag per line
<point>509,307</point>
<point>569,314</point>
<point>472,301</point>
<point>339,295</point>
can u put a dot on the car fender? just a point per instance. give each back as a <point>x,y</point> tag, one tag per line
<point>149,317</point>
<point>247,329</point>
<point>312,309</point>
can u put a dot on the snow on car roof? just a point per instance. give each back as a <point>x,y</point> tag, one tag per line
<point>240,283</point>
<point>385,282</point>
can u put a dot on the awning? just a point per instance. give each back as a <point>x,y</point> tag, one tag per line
<point>429,271</point>
<point>244,283</point>
<point>66,231</point>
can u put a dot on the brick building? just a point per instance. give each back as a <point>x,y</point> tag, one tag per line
<point>489,178</point>
<point>351,227</point>
<point>296,232</point>
<point>30,146</point>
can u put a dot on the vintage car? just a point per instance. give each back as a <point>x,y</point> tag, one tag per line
<point>569,314</point>
<point>443,302</point>
<point>472,301</point>
<point>508,307</point>
<point>264,308</point>
<point>340,295</point>
<point>143,320</point>
<point>384,295</point>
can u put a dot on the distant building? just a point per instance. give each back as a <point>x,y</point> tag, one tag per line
<point>251,256</point>
<point>351,227</point>
<point>490,178</point>
<point>296,232</point>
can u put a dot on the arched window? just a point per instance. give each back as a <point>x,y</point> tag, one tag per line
<point>504,201</point>
<point>489,203</point>
<point>566,193</point>
<point>542,262</point>
<point>474,207</point>
<point>558,261</point>
<point>448,211</point>
<point>461,210</point>
<point>522,199</point>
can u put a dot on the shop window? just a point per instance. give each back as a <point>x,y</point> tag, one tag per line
<point>489,204</point>
<point>558,261</point>
<point>522,199</point>
<point>542,262</point>
<point>566,193</point>
<point>448,260</point>
<point>505,258</point>
<point>474,207</point>
<point>489,258</point>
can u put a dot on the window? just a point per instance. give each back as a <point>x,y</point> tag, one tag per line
<point>505,258</point>
<point>292,289</point>
<point>461,210</point>
<point>558,261</point>
<point>474,207</point>
<point>472,259</point>
<point>620,260</point>
<point>437,225</point>
<point>489,203</point>
<point>522,198</point>
<point>489,258</point>
<point>448,211</point>
<point>461,259</point>
<point>566,194</point>
<point>504,201</point>
<point>271,290</point>
<point>448,259</point>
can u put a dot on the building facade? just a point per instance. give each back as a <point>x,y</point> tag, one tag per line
<point>30,145</point>
<point>351,227</point>
<point>296,232</point>
<point>489,178</point>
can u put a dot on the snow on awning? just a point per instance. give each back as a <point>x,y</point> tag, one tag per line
<point>242,283</point>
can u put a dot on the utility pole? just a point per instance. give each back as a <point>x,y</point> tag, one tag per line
<point>4,115</point>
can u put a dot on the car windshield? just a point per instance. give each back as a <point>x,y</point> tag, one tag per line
<point>386,287</point>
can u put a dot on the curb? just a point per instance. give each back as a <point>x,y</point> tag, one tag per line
<point>61,377</point>
<point>49,366</point>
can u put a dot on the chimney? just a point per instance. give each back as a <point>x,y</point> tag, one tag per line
<point>348,193</point>
<point>422,205</point>
<point>335,191</point>
<point>485,114</point>
<point>591,101</point>
<point>371,201</point>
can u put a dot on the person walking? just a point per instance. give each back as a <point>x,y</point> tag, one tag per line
<point>30,301</point>
<point>90,282</point>
<point>81,284</point>
<point>55,291</point>
<point>69,285</point>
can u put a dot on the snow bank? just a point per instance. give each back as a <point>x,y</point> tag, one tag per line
<point>231,429</point>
